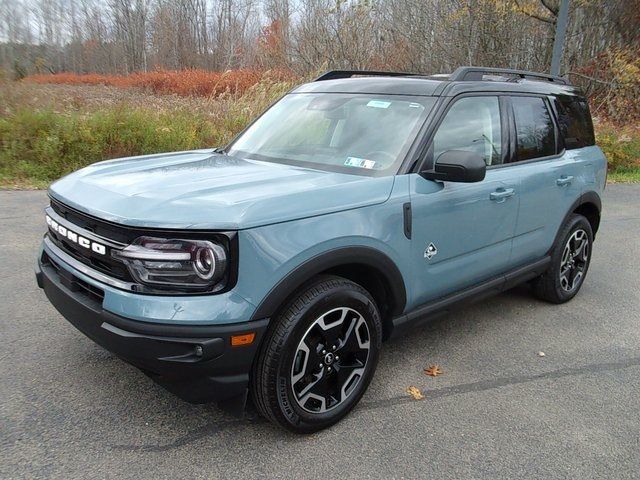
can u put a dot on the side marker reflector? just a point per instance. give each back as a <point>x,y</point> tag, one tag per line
<point>244,339</point>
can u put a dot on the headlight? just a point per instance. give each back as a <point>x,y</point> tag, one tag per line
<point>194,265</point>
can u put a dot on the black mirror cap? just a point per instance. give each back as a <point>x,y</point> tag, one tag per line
<point>458,166</point>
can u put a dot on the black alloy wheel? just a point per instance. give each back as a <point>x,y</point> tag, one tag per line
<point>570,258</point>
<point>318,356</point>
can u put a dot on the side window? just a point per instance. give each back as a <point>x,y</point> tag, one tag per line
<point>535,132</point>
<point>575,122</point>
<point>471,124</point>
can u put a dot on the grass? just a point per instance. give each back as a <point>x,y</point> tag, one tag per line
<point>621,146</point>
<point>45,135</point>
<point>44,145</point>
<point>192,82</point>
<point>47,131</point>
<point>624,176</point>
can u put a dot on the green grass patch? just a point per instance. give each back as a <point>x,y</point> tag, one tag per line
<point>621,146</point>
<point>624,176</point>
<point>39,146</point>
<point>40,143</point>
<point>47,132</point>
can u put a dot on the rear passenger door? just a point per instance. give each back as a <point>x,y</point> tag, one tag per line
<point>549,177</point>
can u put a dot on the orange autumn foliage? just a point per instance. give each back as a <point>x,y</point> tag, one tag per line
<point>193,82</point>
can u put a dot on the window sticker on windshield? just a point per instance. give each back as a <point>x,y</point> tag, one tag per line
<point>359,162</point>
<point>378,104</point>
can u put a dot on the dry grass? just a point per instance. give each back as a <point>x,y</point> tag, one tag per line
<point>198,83</point>
<point>48,130</point>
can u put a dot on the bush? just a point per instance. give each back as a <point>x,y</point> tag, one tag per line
<point>200,83</point>
<point>49,131</point>
<point>42,140</point>
<point>612,82</point>
<point>41,146</point>
<point>621,146</point>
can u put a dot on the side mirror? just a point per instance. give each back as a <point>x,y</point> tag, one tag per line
<point>458,166</point>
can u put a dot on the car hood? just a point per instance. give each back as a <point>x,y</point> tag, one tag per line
<point>206,190</point>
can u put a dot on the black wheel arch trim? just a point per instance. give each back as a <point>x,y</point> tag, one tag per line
<point>586,198</point>
<point>589,197</point>
<point>366,256</point>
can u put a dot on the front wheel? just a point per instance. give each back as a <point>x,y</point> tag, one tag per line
<point>570,258</point>
<point>319,356</point>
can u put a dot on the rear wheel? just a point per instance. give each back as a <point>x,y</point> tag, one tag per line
<point>570,258</point>
<point>319,356</point>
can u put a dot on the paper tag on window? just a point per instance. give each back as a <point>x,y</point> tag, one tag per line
<point>378,104</point>
<point>359,162</point>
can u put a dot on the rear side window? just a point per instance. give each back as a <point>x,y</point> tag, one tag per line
<point>575,122</point>
<point>535,132</point>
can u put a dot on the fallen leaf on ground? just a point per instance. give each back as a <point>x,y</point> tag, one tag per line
<point>433,370</point>
<point>415,393</point>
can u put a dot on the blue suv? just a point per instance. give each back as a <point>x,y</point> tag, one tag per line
<point>359,205</point>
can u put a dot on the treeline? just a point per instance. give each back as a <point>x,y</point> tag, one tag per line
<point>125,36</point>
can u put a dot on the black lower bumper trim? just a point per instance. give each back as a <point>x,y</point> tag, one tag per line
<point>197,363</point>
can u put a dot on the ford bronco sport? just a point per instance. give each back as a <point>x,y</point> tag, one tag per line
<point>358,205</point>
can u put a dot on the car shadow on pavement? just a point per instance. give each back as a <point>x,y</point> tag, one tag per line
<point>460,325</point>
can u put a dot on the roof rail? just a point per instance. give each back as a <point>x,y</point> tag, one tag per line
<point>476,74</point>
<point>336,74</point>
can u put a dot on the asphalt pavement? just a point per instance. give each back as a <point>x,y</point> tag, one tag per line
<point>69,409</point>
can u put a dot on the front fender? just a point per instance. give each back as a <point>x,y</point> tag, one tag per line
<point>277,259</point>
<point>361,255</point>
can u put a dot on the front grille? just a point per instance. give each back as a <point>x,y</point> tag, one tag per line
<point>110,266</point>
<point>95,225</point>
<point>73,283</point>
<point>103,263</point>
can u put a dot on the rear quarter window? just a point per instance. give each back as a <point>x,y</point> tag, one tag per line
<point>574,120</point>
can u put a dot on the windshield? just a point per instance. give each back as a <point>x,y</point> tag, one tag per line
<point>356,133</point>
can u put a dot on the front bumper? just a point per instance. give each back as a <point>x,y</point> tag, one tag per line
<point>195,362</point>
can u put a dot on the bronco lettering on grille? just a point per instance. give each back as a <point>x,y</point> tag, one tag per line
<point>73,237</point>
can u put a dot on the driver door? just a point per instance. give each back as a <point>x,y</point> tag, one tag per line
<point>462,232</point>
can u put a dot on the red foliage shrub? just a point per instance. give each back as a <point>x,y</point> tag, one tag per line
<point>194,82</point>
<point>612,82</point>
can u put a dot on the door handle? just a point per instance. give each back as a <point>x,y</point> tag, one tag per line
<point>501,194</point>
<point>564,180</point>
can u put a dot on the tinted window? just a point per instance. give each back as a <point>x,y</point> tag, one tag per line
<point>535,133</point>
<point>472,124</point>
<point>575,122</point>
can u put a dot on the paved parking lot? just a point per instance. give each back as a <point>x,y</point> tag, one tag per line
<point>69,409</point>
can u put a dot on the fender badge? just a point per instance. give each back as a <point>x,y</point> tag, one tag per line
<point>431,251</point>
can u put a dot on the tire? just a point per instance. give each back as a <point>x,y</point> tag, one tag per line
<point>318,356</point>
<point>570,258</point>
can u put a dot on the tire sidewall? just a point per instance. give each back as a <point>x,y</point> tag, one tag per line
<point>339,297</point>
<point>575,222</point>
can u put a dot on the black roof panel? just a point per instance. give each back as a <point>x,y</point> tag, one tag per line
<point>430,86</point>
<point>522,86</point>
<point>376,85</point>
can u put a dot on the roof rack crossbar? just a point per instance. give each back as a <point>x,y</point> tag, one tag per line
<point>476,74</point>
<point>337,74</point>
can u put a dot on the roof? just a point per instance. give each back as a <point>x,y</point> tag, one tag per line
<point>463,80</point>
<point>377,85</point>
